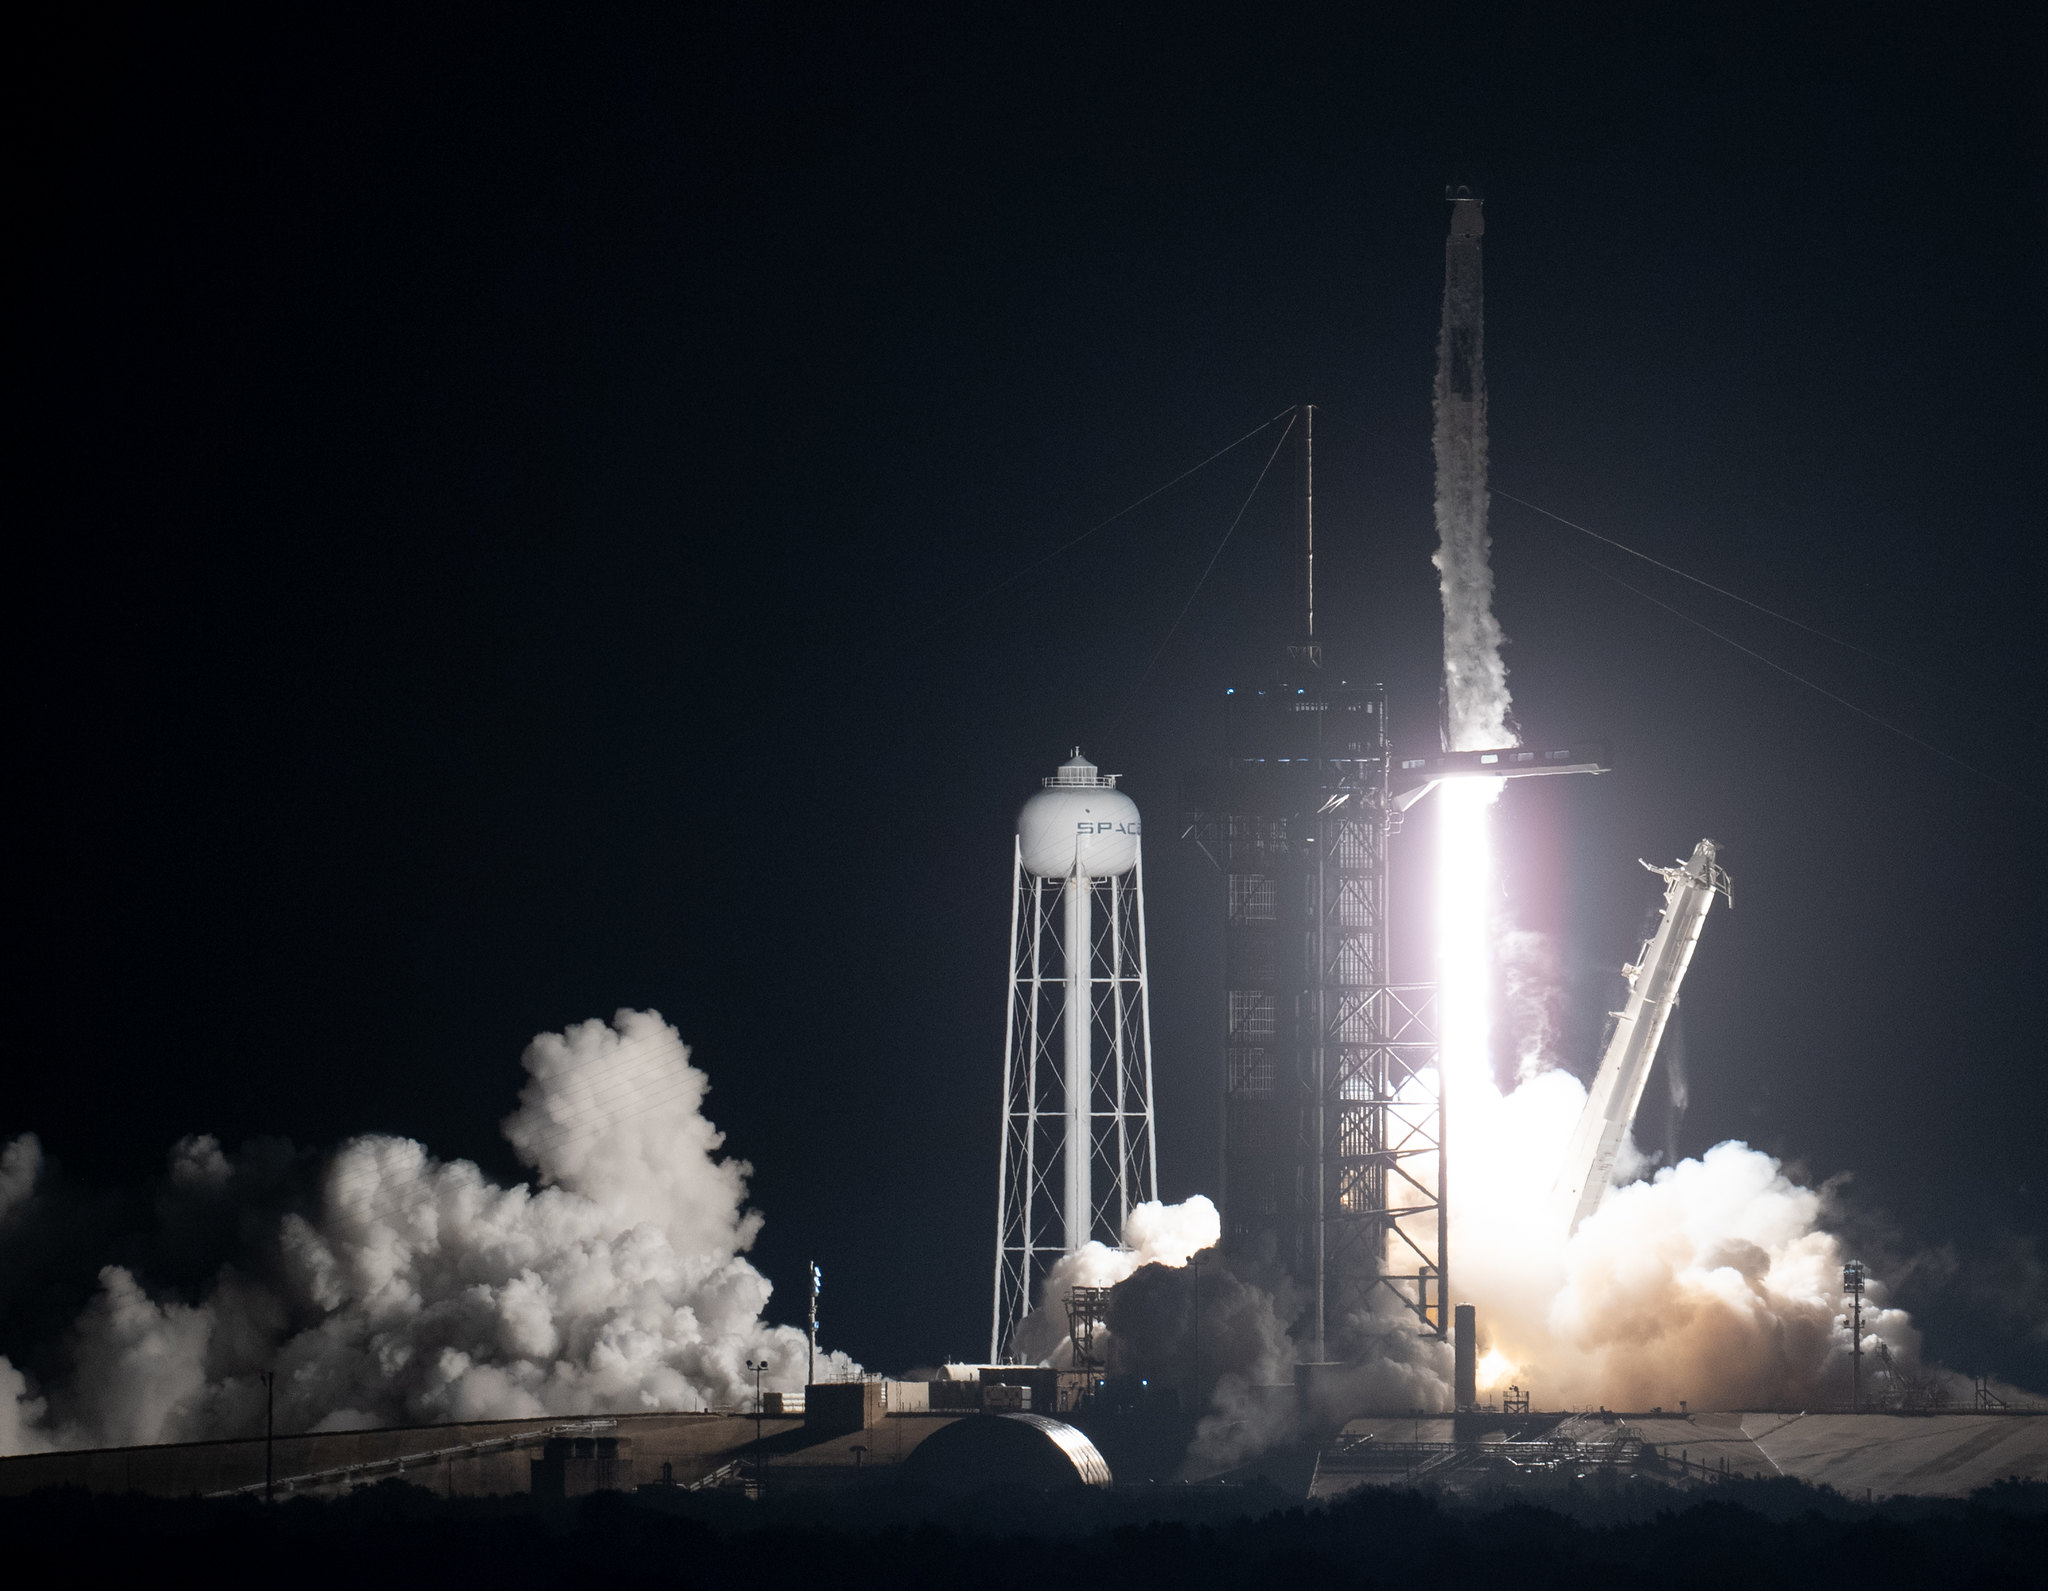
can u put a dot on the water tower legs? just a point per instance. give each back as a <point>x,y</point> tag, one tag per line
<point>1077,1202</point>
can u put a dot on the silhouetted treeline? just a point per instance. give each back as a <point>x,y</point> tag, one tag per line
<point>1749,1535</point>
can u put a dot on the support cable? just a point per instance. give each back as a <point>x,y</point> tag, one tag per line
<point>1131,701</point>
<point>1821,690</point>
<point>1390,440</point>
<point>1736,596</point>
<point>1009,580</point>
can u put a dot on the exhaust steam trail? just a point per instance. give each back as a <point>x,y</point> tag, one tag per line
<point>1475,680</point>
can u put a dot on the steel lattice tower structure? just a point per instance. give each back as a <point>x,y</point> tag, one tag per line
<point>1333,1171</point>
<point>1077,1141</point>
<point>1333,1124</point>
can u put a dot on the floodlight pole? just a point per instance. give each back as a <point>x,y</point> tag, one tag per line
<point>1852,1284</point>
<point>811,1360</point>
<point>269,1431</point>
<point>760,1451</point>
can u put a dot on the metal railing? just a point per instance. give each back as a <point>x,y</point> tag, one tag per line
<point>1361,1454</point>
<point>349,1474</point>
<point>1694,1468</point>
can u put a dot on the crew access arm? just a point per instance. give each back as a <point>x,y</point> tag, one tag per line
<point>1610,1108</point>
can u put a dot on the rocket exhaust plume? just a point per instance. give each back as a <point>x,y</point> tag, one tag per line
<point>1475,681</point>
<point>1715,1281</point>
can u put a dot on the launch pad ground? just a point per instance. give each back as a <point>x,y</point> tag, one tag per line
<point>1859,1455</point>
<point>483,1459</point>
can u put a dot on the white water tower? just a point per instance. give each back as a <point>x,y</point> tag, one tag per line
<point>1077,1148</point>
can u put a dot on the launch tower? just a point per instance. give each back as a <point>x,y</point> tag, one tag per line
<point>1332,1126</point>
<point>1332,1163</point>
<point>1334,1134</point>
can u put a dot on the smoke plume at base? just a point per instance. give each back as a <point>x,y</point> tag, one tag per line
<point>1714,1280</point>
<point>416,1290</point>
<point>1154,1234</point>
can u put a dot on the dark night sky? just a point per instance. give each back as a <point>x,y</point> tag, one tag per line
<point>505,490</point>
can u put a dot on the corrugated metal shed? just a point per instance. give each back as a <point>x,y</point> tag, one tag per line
<point>1006,1450</point>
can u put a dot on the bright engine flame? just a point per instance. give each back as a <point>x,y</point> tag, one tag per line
<point>1465,892</point>
<point>1494,1369</point>
<point>1506,1257</point>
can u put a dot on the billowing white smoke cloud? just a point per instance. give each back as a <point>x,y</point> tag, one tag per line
<point>424,1292</point>
<point>1715,1281</point>
<point>1154,1234</point>
<point>1258,1404</point>
<point>21,1414</point>
<point>21,1162</point>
